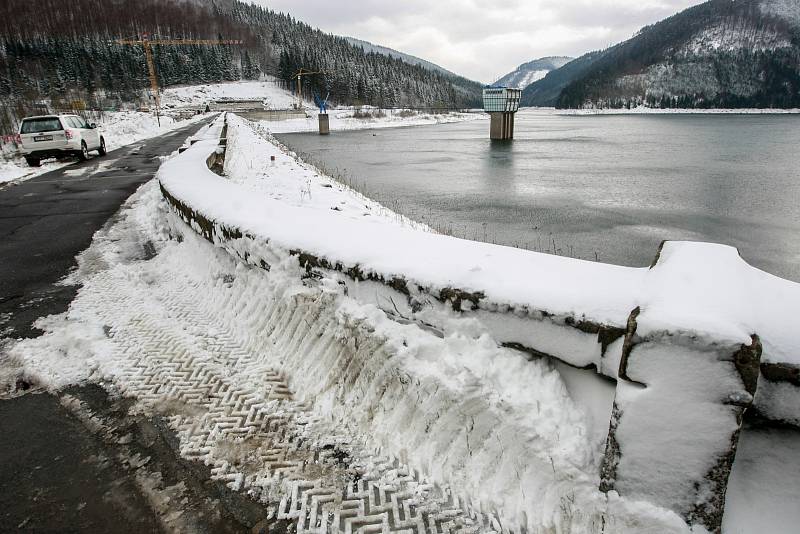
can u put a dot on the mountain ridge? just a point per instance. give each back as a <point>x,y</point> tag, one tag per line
<point>457,80</point>
<point>408,58</point>
<point>722,53</point>
<point>532,71</point>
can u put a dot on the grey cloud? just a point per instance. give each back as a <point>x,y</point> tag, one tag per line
<point>483,39</point>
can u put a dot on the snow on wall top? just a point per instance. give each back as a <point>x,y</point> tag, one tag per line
<point>702,289</point>
<point>505,274</point>
<point>711,288</point>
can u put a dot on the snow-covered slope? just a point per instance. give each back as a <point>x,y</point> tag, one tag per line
<point>268,91</point>
<point>532,71</point>
<point>391,52</point>
<point>788,10</point>
<point>460,83</point>
<point>723,54</point>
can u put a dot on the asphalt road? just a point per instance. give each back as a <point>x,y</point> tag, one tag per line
<point>46,221</point>
<point>56,473</point>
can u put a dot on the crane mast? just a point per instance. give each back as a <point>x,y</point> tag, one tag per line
<point>147,44</point>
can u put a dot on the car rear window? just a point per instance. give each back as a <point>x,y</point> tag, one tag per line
<point>45,124</point>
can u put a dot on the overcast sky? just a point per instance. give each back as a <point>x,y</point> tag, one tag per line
<point>483,40</point>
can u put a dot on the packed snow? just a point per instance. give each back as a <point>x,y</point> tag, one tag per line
<point>710,290</point>
<point>762,493</point>
<point>119,128</point>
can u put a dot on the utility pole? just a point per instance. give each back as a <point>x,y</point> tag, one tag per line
<point>147,43</point>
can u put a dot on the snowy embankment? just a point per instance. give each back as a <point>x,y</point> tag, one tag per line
<point>369,118</point>
<point>699,317</point>
<point>118,128</point>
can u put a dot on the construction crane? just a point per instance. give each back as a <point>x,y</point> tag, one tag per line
<point>299,75</point>
<point>147,43</point>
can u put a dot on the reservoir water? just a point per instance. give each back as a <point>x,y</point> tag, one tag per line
<point>599,187</point>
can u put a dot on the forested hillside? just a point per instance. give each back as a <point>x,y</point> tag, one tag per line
<point>61,52</point>
<point>460,83</point>
<point>722,53</point>
<point>408,58</point>
<point>545,92</point>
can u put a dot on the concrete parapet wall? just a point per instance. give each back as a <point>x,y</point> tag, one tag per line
<point>272,114</point>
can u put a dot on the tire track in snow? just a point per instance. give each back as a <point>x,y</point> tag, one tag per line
<point>232,409</point>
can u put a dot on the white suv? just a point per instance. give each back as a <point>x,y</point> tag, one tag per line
<point>49,136</point>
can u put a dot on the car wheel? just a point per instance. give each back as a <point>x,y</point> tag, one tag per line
<point>84,154</point>
<point>33,162</point>
<point>102,150</point>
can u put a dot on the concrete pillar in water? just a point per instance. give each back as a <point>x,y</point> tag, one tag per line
<point>502,125</point>
<point>324,124</point>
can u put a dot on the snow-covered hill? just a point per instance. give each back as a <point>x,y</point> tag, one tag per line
<point>532,71</point>
<point>717,54</point>
<point>788,10</point>
<point>459,82</point>
<point>391,52</point>
<point>268,91</point>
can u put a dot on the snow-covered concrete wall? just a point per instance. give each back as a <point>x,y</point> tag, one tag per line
<point>692,340</point>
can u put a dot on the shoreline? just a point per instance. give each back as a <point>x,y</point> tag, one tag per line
<point>667,111</point>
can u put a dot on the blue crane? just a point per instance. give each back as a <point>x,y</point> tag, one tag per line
<point>321,104</point>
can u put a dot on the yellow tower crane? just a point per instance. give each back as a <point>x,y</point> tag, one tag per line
<point>147,43</point>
